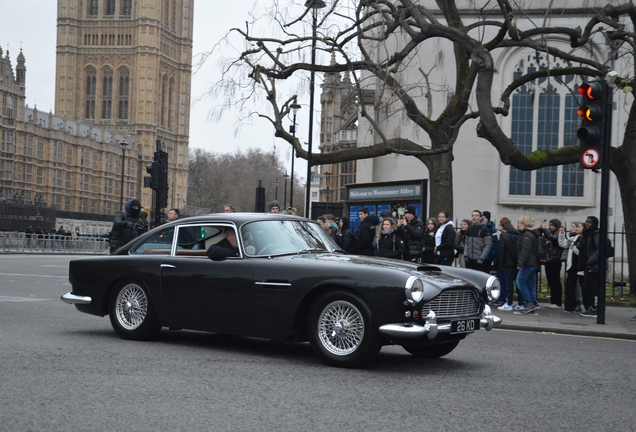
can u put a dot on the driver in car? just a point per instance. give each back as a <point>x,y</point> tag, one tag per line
<point>226,248</point>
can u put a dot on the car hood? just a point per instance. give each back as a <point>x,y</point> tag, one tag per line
<point>439,276</point>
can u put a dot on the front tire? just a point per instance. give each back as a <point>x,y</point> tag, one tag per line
<point>341,330</point>
<point>432,351</point>
<point>132,313</point>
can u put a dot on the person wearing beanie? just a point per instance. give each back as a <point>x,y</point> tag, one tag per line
<point>412,229</point>
<point>127,225</point>
<point>274,207</point>
<point>385,214</point>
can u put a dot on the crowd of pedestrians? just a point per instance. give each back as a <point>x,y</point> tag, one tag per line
<point>515,254</point>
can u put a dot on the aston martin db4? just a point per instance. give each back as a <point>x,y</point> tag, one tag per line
<point>282,278</point>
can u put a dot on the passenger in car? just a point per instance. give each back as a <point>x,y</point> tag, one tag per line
<point>226,248</point>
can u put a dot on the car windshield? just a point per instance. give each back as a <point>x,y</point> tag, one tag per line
<point>264,238</point>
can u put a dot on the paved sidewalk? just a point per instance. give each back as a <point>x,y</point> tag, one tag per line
<point>617,323</point>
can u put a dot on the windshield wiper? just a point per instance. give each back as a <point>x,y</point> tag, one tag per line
<point>310,250</point>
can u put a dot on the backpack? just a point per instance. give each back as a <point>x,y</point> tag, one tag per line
<point>609,249</point>
<point>495,246</point>
<point>356,239</point>
<point>543,248</point>
<point>511,244</point>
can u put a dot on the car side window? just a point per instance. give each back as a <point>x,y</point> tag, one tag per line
<point>194,240</point>
<point>158,244</point>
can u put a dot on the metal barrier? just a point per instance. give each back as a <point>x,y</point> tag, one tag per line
<point>19,242</point>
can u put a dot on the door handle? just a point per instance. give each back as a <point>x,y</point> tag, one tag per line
<point>167,266</point>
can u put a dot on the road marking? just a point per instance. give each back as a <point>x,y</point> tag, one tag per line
<point>20,299</point>
<point>33,275</point>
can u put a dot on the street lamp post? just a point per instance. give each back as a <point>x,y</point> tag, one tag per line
<point>123,144</point>
<point>314,5</point>
<point>276,190</point>
<point>285,176</point>
<point>292,129</point>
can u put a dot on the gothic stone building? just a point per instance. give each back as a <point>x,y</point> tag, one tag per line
<point>122,76</point>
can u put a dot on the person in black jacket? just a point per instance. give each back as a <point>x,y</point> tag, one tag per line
<point>553,266</point>
<point>127,225</point>
<point>366,232</point>
<point>345,237</point>
<point>413,232</point>
<point>389,243</point>
<point>527,264</point>
<point>588,262</point>
<point>445,240</point>
<point>507,259</point>
<point>428,241</point>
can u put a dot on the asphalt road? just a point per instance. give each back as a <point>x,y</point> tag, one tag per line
<point>61,370</point>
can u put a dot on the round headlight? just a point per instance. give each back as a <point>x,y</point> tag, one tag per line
<point>414,289</point>
<point>493,288</point>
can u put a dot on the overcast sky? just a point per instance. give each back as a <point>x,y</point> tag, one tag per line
<point>31,24</point>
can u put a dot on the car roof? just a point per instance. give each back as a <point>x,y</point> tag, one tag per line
<point>238,218</point>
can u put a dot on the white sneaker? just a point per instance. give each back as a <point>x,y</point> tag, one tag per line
<point>505,307</point>
<point>553,306</point>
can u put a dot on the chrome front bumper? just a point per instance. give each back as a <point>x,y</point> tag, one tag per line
<point>71,298</point>
<point>431,329</point>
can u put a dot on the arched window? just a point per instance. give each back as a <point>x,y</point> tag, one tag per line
<point>110,7</point>
<point>91,90</point>
<point>126,7</point>
<point>543,117</point>
<point>124,92</point>
<point>170,102</point>
<point>93,7</point>
<point>107,94</point>
<point>164,100</point>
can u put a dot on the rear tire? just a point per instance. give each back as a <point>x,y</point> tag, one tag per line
<point>341,330</point>
<point>132,313</point>
<point>432,351</point>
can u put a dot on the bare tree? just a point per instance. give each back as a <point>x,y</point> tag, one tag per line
<point>377,41</point>
<point>215,180</point>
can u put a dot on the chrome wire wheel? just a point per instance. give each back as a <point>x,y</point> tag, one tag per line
<point>341,328</point>
<point>131,306</point>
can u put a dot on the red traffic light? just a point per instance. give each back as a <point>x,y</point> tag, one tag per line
<point>592,91</point>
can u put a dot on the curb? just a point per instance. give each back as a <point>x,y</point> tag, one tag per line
<point>572,332</point>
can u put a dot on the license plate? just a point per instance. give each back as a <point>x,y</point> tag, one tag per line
<point>464,326</point>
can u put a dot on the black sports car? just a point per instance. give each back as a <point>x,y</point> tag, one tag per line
<point>282,278</point>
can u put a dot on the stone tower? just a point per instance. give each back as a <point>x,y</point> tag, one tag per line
<point>338,131</point>
<point>126,65</point>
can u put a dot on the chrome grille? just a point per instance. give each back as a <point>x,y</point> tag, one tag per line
<point>453,304</point>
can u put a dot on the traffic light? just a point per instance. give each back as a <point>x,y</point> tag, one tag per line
<point>154,170</point>
<point>593,114</point>
<point>162,161</point>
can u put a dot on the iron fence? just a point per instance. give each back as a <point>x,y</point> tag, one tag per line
<point>19,242</point>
